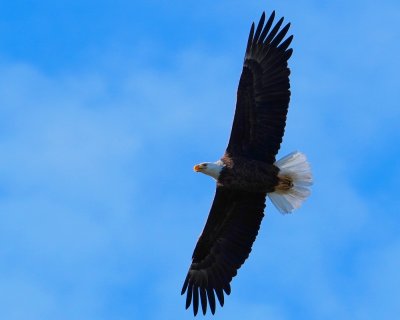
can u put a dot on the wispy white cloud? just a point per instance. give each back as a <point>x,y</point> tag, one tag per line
<point>79,172</point>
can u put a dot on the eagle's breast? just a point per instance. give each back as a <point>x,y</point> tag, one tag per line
<point>248,175</point>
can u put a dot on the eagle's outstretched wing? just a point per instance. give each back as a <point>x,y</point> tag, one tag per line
<point>263,93</point>
<point>223,246</point>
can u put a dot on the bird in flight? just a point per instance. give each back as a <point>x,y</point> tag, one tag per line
<point>248,171</point>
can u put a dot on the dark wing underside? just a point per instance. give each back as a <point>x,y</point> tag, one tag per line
<point>263,94</point>
<point>223,246</point>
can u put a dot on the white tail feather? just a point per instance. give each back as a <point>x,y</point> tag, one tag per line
<point>295,166</point>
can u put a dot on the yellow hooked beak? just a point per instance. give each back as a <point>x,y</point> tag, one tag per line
<point>197,168</point>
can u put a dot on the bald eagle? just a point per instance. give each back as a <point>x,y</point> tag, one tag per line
<point>248,172</point>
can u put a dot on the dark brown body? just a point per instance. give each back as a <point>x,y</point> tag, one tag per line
<point>249,175</point>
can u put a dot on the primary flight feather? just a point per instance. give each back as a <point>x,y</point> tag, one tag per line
<point>248,171</point>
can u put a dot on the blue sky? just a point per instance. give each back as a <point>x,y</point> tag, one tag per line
<point>106,106</point>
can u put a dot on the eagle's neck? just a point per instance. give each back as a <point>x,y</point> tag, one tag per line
<point>213,169</point>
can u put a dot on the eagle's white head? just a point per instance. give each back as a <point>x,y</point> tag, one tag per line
<point>212,169</point>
